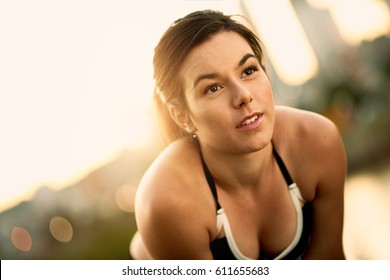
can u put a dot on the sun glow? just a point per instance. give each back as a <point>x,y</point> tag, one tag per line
<point>358,20</point>
<point>285,40</point>
<point>76,86</point>
<point>76,76</point>
<point>73,92</point>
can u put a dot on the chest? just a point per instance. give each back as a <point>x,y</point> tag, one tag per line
<point>265,223</point>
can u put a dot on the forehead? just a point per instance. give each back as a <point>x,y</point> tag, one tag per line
<point>223,51</point>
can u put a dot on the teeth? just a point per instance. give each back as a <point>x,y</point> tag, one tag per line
<point>251,120</point>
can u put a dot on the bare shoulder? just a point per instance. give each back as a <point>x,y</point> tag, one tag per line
<point>314,153</point>
<point>171,206</point>
<point>305,131</point>
<point>172,175</point>
<point>305,124</point>
<point>312,146</point>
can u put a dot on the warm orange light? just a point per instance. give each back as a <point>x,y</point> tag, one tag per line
<point>358,20</point>
<point>366,216</point>
<point>86,91</point>
<point>125,196</point>
<point>285,40</point>
<point>61,229</point>
<point>21,239</point>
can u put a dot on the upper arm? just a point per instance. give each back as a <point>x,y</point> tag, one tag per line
<point>172,231</point>
<point>328,204</point>
<point>171,216</point>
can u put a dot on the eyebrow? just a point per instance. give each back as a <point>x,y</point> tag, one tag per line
<point>216,75</point>
<point>245,58</point>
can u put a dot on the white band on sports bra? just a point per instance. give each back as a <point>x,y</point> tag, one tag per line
<point>223,223</point>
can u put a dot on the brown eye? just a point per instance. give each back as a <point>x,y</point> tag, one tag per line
<point>212,88</point>
<point>249,71</point>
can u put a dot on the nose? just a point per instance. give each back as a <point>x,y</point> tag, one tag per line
<point>241,96</point>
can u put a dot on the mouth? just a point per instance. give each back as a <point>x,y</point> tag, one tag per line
<point>251,121</point>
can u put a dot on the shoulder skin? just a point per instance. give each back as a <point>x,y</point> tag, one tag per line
<point>314,153</point>
<point>175,215</point>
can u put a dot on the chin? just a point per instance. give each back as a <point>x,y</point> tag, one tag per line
<point>254,149</point>
<point>253,146</point>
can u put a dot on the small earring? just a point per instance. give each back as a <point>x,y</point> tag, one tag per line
<point>191,131</point>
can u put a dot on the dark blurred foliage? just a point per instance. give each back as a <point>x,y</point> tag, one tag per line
<point>356,96</point>
<point>352,88</point>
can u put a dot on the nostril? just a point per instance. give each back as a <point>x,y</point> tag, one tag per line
<point>244,101</point>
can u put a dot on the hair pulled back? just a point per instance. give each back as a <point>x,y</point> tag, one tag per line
<point>179,39</point>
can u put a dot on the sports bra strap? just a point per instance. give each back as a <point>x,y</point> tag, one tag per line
<point>282,167</point>
<point>213,188</point>
<point>210,181</point>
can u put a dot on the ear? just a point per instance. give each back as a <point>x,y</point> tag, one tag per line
<point>181,118</point>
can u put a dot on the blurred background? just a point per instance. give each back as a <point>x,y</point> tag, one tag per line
<point>75,112</point>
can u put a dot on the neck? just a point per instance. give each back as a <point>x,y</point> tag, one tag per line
<point>233,171</point>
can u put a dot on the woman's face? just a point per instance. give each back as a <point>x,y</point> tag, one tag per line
<point>229,96</point>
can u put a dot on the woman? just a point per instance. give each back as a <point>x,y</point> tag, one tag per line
<point>241,177</point>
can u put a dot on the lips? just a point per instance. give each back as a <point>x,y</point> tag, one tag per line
<point>250,121</point>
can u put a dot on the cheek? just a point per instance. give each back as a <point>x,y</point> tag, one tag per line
<point>203,119</point>
<point>268,89</point>
<point>209,118</point>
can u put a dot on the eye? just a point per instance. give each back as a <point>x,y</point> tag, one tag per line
<point>213,88</point>
<point>249,71</point>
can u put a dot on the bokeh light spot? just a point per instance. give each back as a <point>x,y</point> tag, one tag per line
<point>61,229</point>
<point>21,239</point>
<point>124,198</point>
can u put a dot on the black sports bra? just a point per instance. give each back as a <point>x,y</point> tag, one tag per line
<point>226,249</point>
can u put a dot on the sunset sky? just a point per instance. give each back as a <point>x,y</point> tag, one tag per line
<point>76,76</point>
